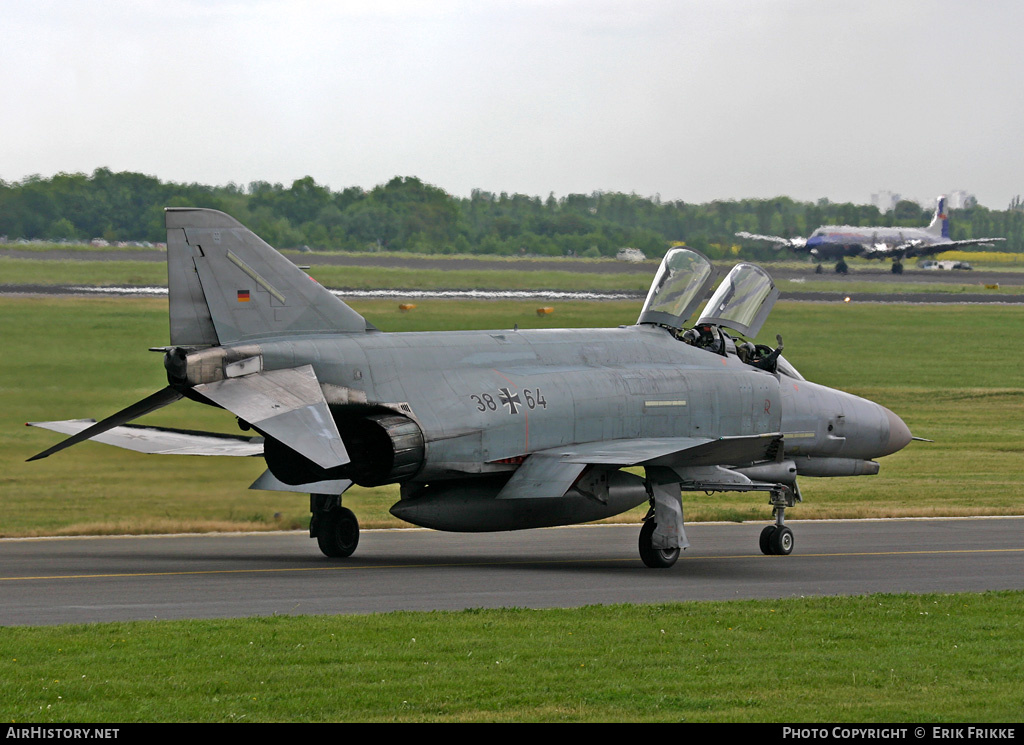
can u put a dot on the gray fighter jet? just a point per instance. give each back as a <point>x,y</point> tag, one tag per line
<point>493,430</point>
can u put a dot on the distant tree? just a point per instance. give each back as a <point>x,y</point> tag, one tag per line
<point>908,213</point>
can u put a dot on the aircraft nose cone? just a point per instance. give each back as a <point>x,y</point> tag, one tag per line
<point>899,433</point>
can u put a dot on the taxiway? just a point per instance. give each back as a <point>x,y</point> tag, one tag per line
<point>80,580</point>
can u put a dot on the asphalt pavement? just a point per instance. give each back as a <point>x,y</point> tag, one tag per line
<point>81,580</point>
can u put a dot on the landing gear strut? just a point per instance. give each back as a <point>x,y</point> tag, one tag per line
<point>665,517</point>
<point>335,527</point>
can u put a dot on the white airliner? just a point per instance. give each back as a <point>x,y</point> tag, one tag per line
<point>839,241</point>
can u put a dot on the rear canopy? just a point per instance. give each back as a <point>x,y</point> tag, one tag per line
<point>742,302</point>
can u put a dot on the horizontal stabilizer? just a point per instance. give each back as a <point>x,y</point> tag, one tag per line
<point>269,482</point>
<point>287,405</point>
<point>162,440</point>
<point>158,400</point>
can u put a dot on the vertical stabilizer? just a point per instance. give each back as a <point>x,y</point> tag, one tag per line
<point>939,225</point>
<point>227,285</point>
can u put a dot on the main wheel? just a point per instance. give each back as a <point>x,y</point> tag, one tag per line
<point>338,533</point>
<point>782,541</point>
<point>897,267</point>
<point>765,541</point>
<point>655,558</point>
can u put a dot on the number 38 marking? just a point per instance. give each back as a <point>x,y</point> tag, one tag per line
<point>484,402</point>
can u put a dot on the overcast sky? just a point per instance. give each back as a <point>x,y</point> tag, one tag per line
<point>719,99</point>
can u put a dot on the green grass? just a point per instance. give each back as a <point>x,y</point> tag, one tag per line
<point>96,273</point>
<point>881,658</point>
<point>951,372</point>
<point>82,272</point>
<point>82,248</point>
<point>856,287</point>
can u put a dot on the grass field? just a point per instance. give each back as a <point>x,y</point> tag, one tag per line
<point>882,658</point>
<point>97,273</point>
<point>951,371</point>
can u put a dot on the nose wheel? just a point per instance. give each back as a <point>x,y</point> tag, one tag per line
<point>776,541</point>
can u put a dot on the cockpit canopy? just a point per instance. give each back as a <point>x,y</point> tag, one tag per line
<point>742,302</point>
<point>682,280</point>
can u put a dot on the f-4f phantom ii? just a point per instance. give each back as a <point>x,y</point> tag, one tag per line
<point>493,430</point>
<point>836,242</point>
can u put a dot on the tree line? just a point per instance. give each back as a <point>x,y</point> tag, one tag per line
<point>406,214</point>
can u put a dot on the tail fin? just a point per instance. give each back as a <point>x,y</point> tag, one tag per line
<point>227,285</point>
<point>939,226</point>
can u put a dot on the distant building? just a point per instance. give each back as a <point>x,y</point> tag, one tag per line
<point>961,200</point>
<point>955,200</point>
<point>885,201</point>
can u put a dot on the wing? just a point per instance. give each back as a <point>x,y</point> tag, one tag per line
<point>914,249</point>
<point>161,440</point>
<point>776,239</point>
<point>269,482</point>
<point>550,473</point>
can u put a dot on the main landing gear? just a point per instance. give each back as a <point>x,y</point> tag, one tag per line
<point>897,266</point>
<point>665,517</point>
<point>335,527</point>
<point>655,558</point>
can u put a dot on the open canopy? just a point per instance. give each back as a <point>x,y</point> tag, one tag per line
<point>743,301</point>
<point>680,284</point>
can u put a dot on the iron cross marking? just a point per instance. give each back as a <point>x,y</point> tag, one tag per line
<point>511,400</point>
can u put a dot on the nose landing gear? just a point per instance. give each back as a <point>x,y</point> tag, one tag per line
<point>777,539</point>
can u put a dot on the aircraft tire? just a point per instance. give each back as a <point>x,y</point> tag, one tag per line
<point>338,533</point>
<point>782,542</point>
<point>897,268</point>
<point>655,558</point>
<point>765,541</point>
